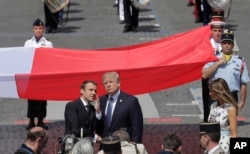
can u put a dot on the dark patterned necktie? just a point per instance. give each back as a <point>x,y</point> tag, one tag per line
<point>109,110</point>
<point>87,108</point>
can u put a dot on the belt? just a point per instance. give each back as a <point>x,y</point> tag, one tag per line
<point>234,92</point>
<point>224,132</point>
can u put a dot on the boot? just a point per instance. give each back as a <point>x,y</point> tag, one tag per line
<point>31,124</point>
<point>41,124</point>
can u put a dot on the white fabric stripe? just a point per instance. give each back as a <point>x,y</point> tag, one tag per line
<point>8,87</point>
<point>16,60</point>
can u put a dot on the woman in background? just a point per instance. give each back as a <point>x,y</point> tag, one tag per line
<point>224,110</point>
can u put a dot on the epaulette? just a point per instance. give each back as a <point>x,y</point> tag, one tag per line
<point>240,58</point>
<point>47,39</point>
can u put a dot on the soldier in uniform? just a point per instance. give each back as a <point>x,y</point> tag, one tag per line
<point>210,137</point>
<point>51,20</point>
<point>229,67</point>
<point>217,26</point>
<point>37,108</point>
<point>131,14</point>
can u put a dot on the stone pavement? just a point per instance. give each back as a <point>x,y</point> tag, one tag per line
<point>94,24</point>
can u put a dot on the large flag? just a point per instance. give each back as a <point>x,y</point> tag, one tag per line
<point>56,74</point>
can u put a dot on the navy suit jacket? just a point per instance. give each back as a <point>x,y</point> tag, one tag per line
<point>77,117</point>
<point>127,115</point>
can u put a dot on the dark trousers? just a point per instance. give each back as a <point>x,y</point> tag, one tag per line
<point>131,14</point>
<point>37,108</point>
<point>207,10</point>
<point>198,4</point>
<point>207,101</point>
<point>51,19</point>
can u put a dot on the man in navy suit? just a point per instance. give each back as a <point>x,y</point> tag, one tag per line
<point>80,114</point>
<point>126,113</point>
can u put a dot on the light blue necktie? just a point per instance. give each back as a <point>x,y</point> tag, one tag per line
<point>109,110</point>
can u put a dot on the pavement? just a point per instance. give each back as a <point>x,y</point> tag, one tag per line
<point>94,24</point>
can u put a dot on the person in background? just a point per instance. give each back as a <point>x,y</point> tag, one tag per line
<point>119,110</point>
<point>51,20</point>
<point>127,146</point>
<point>232,68</point>
<point>84,146</point>
<point>207,11</point>
<point>217,25</point>
<point>210,137</point>
<point>223,111</point>
<point>37,108</point>
<point>111,145</point>
<point>198,15</point>
<point>131,15</point>
<point>36,141</point>
<point>171,145</point>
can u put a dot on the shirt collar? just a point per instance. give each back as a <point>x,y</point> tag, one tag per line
<point>83,101</point>
<point>116,95</point>
<point>215,148</point>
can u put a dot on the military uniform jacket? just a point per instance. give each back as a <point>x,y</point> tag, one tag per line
<point>43,42</point>
<point>234,72</point>
<point>216,150</point>
<point>215,45</point>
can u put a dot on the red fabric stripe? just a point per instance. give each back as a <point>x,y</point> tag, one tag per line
<point>147,67</point>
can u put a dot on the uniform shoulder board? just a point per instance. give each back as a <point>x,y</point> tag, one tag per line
<point>241,58</point>
<point>47,39</point>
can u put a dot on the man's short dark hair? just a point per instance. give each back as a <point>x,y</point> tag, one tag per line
<point>86,82</point>
<point>215,137</point>
<point>36,134</point>
<point>171,142</point>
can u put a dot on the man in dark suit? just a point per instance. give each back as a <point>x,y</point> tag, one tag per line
<point>80,114</point>
<point>125,112</point>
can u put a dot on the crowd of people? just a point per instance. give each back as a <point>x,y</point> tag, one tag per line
<point>116,121</point>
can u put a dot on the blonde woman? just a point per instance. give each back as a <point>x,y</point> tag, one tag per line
<point>224,110</point>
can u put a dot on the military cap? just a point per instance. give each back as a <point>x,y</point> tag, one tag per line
<point>207,127</point>
<point>111,143</point>
<point>227,35</point>
<point>38,22</point>
<point>217,18</point>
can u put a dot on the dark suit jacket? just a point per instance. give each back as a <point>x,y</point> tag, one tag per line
<point>77,117</point>
<point>127,115</point>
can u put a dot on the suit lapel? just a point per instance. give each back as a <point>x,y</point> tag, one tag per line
<point>82,110</point>
<point>103,108</point>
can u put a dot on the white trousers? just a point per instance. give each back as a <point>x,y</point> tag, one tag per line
<point>121,10</point>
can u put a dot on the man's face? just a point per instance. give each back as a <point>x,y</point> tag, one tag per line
<point>89,93</point>
<point>216,32</point>
<point>227,47</point>
<point>204,141</point>
<point>38,31</point>
<point>111,84</point>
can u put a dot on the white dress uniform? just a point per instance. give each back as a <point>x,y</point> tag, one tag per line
<point>215,45</point>
<point>43,42</point>
<point>121,10</point>
<point>37,108</point>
